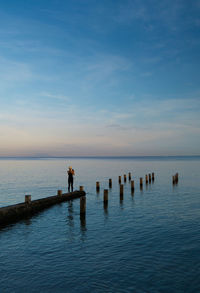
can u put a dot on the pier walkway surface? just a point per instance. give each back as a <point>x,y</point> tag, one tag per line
<point>14,213</point>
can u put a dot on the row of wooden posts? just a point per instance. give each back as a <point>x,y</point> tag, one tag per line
<point>148,179</point>
<point>59,193</point>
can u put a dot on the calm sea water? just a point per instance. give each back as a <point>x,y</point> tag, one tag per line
<point>149,242</point>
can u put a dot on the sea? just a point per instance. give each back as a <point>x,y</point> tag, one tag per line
<point>147,241</point>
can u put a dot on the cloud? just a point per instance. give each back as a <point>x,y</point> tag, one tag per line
<point>54,96</point>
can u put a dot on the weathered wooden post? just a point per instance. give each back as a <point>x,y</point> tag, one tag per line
<point>81,188</point>
<point>82,206</point>
<point>121,191</point>
<point>124,177</point>
<point>149,178</point>
<point>97,186</point>
<point>59,192</point>
<point>146,178</point>
<point>110,183</point>
<point>120,179</point>
<point>83,222</point>
<point>27,199</point>
<point>129,176</point>
<point>105,198</point>
<point>132,186</point>
<point>141,182</point>
<point>153,176</point>
<point>176,177</point>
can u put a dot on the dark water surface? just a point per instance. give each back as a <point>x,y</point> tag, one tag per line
<point>149,242</point>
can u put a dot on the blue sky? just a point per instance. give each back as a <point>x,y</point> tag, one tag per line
<point>102,77</point>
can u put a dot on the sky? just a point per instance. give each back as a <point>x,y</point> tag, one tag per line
<point>99,77</point>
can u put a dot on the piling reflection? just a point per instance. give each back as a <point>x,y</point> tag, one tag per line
<point>132,200</point>
<point>70,214</point>
<point>83,222</point>
<point>70,219</point>
<point>27,221</point>
<point>83,228</point>
<point>121,200</point>
<point>146,186</point>
<point>105,207</point>
<point>175,186</point>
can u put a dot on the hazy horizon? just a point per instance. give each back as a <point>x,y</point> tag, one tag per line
<point>103,156</point>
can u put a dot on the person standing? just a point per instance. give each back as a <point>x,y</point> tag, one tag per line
<point>70,173</point>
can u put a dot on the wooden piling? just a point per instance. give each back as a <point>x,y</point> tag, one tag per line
<point>121,192</point>
<point>27,199</point>
<point>175,179</point>
<point>153,176</point>
<point>105,198</point>
<point>121,189</point>
<point>81,188</point>
<point>149,178</point>
<point>146,179</point>
<point>97,186</point>
<point>132,185</point>
<point>124,177</point>
<point>59,192</point>
<point>141,182</point>
<point>110,183</point>
<point>82,205</point>
<point>129,176</point>
<point>120,179</point>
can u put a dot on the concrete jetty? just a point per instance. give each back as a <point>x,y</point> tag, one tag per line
<point>14,213</point>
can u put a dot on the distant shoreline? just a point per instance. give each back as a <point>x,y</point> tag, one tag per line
<point>100,157</point>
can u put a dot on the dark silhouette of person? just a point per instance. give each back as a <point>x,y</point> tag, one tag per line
<point>70,173</point>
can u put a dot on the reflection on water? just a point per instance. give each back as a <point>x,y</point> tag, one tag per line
<point>83,228</point>
<point>121,200</point>
<point>83,222</point>
<point>105,206</point>
<point>27,221</point>
<point>154,239</point>
<point>70,213</point>
<point>132,192</point>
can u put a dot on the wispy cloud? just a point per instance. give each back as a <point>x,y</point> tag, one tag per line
<point>54,96</point>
